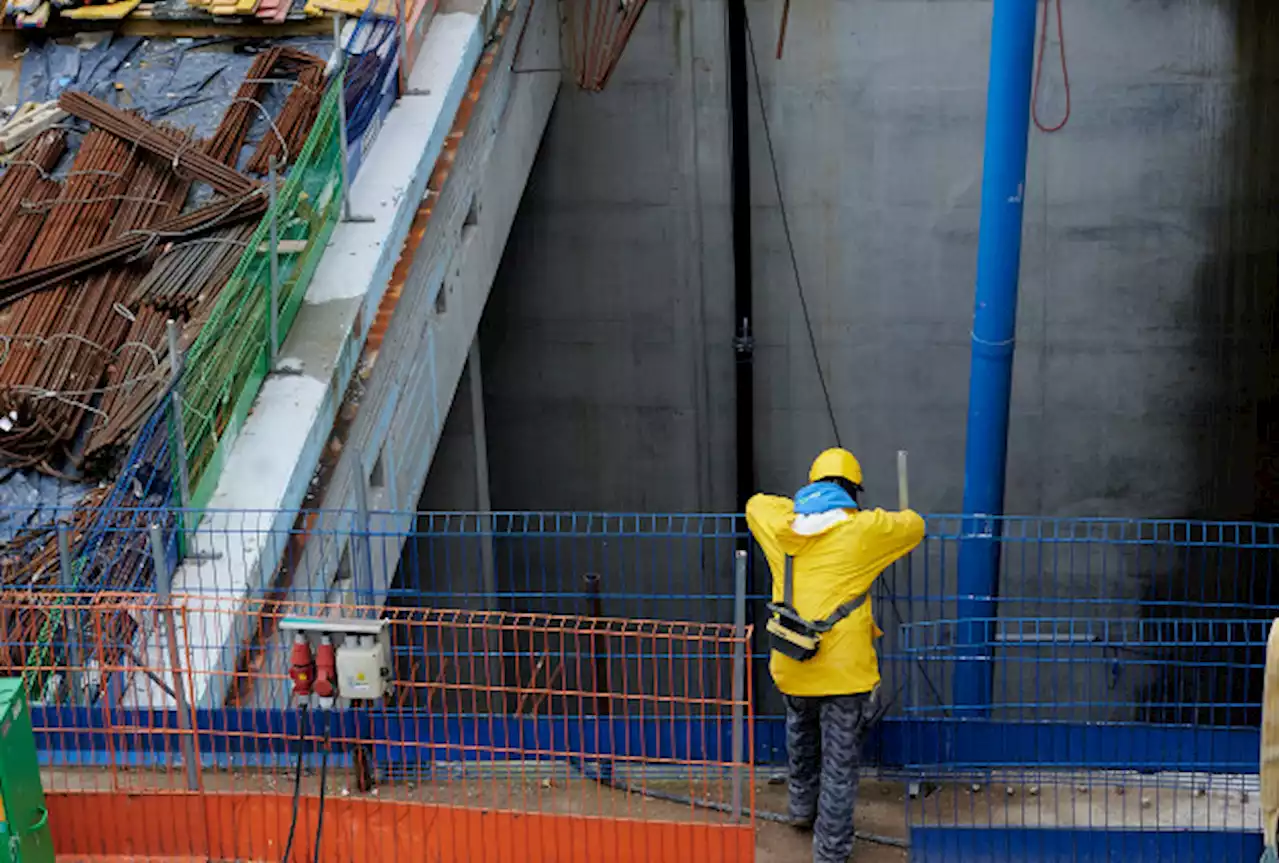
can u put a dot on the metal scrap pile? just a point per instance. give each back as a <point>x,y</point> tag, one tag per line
<point>98,258</point>
<point>39,618</point>
<point>30,561</point>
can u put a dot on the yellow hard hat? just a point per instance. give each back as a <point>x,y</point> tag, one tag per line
<point>836,462</point>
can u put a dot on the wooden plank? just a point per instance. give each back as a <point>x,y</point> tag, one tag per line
<point>285,247</point>
<point>23,110</point>
<point>229,26</point>
<point>37,19</point>
<point>102,12</point>
<point>23,7</point>
<point>354,8</point>
<point>29,124</point>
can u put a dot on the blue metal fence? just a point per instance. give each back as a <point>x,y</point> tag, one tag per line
<point>1126,664</point>
<point>1125,655</point>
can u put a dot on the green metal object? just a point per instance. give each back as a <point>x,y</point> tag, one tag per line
<point>24,820</point>
<point>231,356</point>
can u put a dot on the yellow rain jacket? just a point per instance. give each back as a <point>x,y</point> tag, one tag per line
<point>837,555</point>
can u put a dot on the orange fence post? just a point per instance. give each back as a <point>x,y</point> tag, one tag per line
<point>739,672</point>
<point>185,718</point>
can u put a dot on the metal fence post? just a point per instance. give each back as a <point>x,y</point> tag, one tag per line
<point>273,223</point>
<point>339,62</point>
<point>362,551</point>
<point>903,500</point>
<point>164,595</point>
<point>176,364</point>
<point>340,73</point>
<point>739,675</point>
<point>479,441</point>
<point>600,691</point>
<point>72,616</point>
<point>402,36</point>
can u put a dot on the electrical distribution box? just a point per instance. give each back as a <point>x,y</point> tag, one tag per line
<point>362,667</point>
<point>24,820</point>
<point>362,663</point>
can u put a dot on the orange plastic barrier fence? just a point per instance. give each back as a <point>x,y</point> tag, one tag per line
<point>171,729</point>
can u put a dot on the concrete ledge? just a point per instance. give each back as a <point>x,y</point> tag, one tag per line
<point>409,381</point>
<point>412,383</point>
<point>240,539</point>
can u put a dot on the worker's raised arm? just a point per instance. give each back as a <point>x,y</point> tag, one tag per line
<point>765,509</point>
<point>888,536</point>
<point>765,514</point>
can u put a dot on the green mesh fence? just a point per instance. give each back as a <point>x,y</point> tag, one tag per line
<point>231,356</point>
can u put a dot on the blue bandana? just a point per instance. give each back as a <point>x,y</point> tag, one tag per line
<point>822,497</point>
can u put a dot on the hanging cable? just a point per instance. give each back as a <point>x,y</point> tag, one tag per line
<point>297,782</point>
<point>786,230</point>
<point>1062,59</point>
<point>813,346</point>
<point>324,763</point>
<point>782,28</point>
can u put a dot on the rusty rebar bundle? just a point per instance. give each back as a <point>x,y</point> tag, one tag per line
<point>91,328</point>
<point>27,179</point>
<point>183,153</point>
<point>93,268</point>
<point>594,33</point>
<point>237,120</point>
<point>61,334</point>
<point>135,244</point>
<point>186,275</point>
<point>28,563</point>
<point>134,383</point>
<point>21,228</point>
<point>284,141</point>
<point>76,219</point>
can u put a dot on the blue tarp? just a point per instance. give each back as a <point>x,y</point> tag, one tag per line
<point>185,83</point>
<point>31,500</point>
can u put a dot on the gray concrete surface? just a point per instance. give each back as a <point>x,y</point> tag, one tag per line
<point>1146,353</point>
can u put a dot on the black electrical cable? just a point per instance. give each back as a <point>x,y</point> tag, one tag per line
<point>324,763</point>
<point>808,323</point>
<point>297,782</point>
<point>786,230</point>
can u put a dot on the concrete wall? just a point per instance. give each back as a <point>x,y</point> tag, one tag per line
<point>1147,319</point>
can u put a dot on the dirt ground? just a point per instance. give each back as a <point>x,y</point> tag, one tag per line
<point>880,809</point>
<point>1114,800</point>
<point>1131,800</point>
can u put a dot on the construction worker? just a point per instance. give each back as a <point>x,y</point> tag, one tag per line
<point>825,552</point>
<point>1269,767</point>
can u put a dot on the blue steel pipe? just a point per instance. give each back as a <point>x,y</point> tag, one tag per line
<point>1004,170</point>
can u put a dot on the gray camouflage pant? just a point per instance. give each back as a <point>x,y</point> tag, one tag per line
<point>824,747</point>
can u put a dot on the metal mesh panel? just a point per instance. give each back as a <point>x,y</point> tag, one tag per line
<point>1126,663</point>
<point>229,359</point>
<point>457,759</point>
